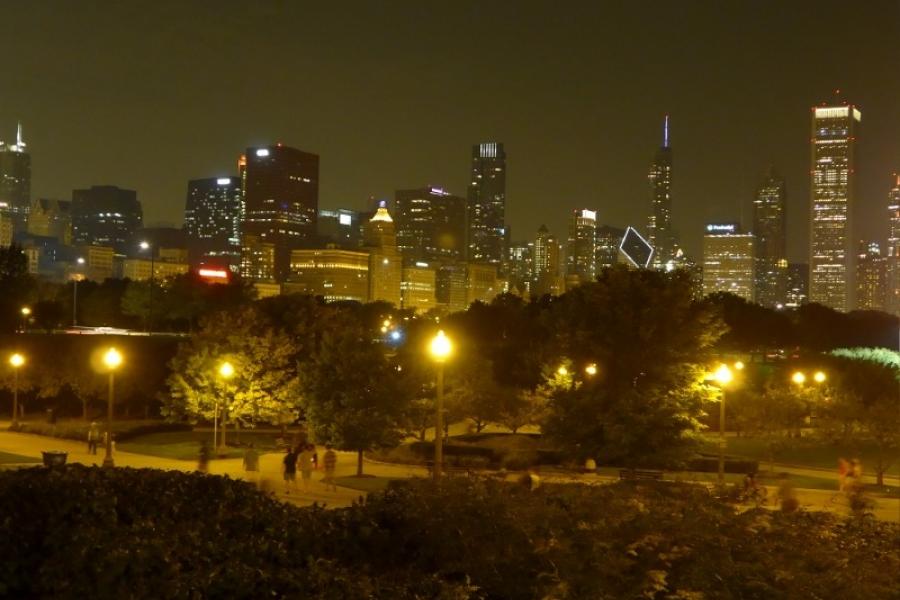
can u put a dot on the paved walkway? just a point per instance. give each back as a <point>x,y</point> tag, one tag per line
<point>271,479</point>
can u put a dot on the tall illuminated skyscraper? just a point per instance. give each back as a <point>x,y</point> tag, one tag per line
<point>892,251</point>
<point>770,234</point>
<point>431,224</point>
<point>281,202</point>
<point>546,263</point>
<point>15,180</point>
<point>659,231</point>
<point>581,249</point>
<point>487,233</point>
<point>728,261</point>
<point>385,262</point>
<point>106,215</point>
<point>832,198</point>
<point>871,277</point>
<point>213,213</point>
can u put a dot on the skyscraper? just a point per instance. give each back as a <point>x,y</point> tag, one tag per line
<point>581,249</point>
<point>659,231</point>
<point>385,263</point>
<point>51,218</point>
<point>487,234</point>
<point>15,180</point>
<point>281,200</point>
<point>832,200</point>
<point>871,277</point>
<point>728,261</point>
<point>546,263</point>
<point>608,241</point>
<point>770,233</point>
<point>212,221</point>
<point>892,252</point>
<point>520,267</point>
<point>106,215</point>
<point>341,227</point>
<point>431,224</point>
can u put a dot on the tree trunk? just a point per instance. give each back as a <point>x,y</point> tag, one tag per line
<point>359,463</point>
<point>84,409</point>
<point>879,468</point>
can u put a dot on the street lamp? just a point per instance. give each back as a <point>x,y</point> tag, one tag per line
<point>440,349</point>
<point>819,377</point>
<point>16,361</point>
<point>26,312</point>
<point>798,377</point>
<point>723,377</point>
<point>591,369</point>
<point>226,372</point>
<point>145,245</point>
<point>562,371</point>
<point>78,276</point>
<point>112,359</point>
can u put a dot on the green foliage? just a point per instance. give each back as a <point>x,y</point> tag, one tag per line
<point>16,286</point>
<point>77,430</point>
<point>92,533</point>
<point>651,344</point>
<point>264,385</point>
<point>352,397</point>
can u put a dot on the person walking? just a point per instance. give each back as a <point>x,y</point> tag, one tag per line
<point>93,436</point>
<point>251,465</point>
<point>329,461</point>
<point>306,464</point>
<point>289,466</point>
<point>203,458</point>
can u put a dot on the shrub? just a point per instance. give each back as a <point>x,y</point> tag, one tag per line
<point>77,430</point>
<point>706,464</point>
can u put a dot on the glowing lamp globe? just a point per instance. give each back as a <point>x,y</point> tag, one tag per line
<point>723,375</point>
<point>112,359</point>
<point>798,378</point>
<point>16,360</point>
<point>226,370</point>
<point>819,377</point>
<point>440,347</point>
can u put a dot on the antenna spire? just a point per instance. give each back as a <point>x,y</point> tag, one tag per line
<point>666,132</point>
<point>19,141</point>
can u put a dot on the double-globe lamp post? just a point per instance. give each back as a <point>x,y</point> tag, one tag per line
<point>440,349</point>
<point>226,372</point>
<point>112,359</point>
<point>16,361</point>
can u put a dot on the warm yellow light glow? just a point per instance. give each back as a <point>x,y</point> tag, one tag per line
<point>739,365</point>
<point>562,371</point>
<point>440,346</point>
<point>591,369</point>
<point>384,330</point>
<point>819,377</point>
<point>723,375</point>
<point>798,378</point>
<point>226,370</point>
<point>26,311</point>
<point>112,358</point>
<point>17,360</point>
<point>387,323</point>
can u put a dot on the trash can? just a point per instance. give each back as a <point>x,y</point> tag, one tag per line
<point>55,458</point>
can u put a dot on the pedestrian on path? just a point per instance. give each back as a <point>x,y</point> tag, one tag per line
<point>306,464</point>
<point>289,466</point>
<point>330,463</point>
<point>203,458</point>
<point>93,436</point>
<point>251,465</point>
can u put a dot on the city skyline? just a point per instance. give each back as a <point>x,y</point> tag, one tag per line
<point>563,149</point>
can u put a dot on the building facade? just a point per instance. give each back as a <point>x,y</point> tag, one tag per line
<point>333,273</point>
<point>340,227</point>
<point>581,249</point>
<point>729,261</point>
<point>660,234</point>
<point>106,215</point>
<point>15,181</point>
<point>608,241</point>
<point>832,200</point>
<point>548,277</point>
<point>139,269</point>
<point>482,284</point>
<point>520,268</point>
<point>213,213</point>
<point>431,224</point>
<point>385,262</point>
<point>892,251</point>
<point>770,233</point>
<point>281,200</point>
<point>51,218</point>
<point>487,232</point>
<point>798,285</point>
<point>418,288</point>
<point>871,277</point>
<point>257,259</point>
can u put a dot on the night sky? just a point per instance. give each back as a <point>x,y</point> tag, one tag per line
<point>393,94</point>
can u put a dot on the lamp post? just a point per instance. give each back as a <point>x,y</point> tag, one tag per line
<point>440,349</point>
<point>723,376</point>
<point>112,359</point>
<point>145,245</point>
<point>80,262</point>
<point>226,372</point>
<point>16,361</point>
<point>26,312</point>
<point>591,370</point>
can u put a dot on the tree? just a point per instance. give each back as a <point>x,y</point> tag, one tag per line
<point>650,342</point>
<point>16,286</point>
<point>771,413</point>
<point>351,392</point>
<point>264,385</point>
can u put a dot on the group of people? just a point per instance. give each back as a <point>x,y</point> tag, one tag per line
<point>306,458</point>
<point>849,474</point>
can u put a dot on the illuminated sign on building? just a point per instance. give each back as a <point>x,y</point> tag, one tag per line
<point>262,152</point>
<point>218,275</point>
<point>723,228</point>
<point>636,249</point>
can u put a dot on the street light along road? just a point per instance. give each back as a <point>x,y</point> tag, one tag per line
<point>112,359</point>
<point>16,361</point>
<point>440,348</point>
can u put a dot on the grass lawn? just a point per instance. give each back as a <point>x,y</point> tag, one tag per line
<point>364,484</point>
<point>185,445</point>
<point>10,459</point>
<point>804,452</point>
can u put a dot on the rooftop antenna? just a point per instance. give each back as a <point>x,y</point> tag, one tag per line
<point>666,132</point>
<point>19,141</point>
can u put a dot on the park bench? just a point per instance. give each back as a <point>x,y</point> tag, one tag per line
<point>633,474</point>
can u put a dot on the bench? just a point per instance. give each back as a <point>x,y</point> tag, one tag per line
<point>634,474</point>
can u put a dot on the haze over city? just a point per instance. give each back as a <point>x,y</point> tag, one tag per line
<point>393,97</point>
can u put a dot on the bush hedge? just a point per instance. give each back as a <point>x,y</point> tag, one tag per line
<point>89,532</point>
<point>78,429</point>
